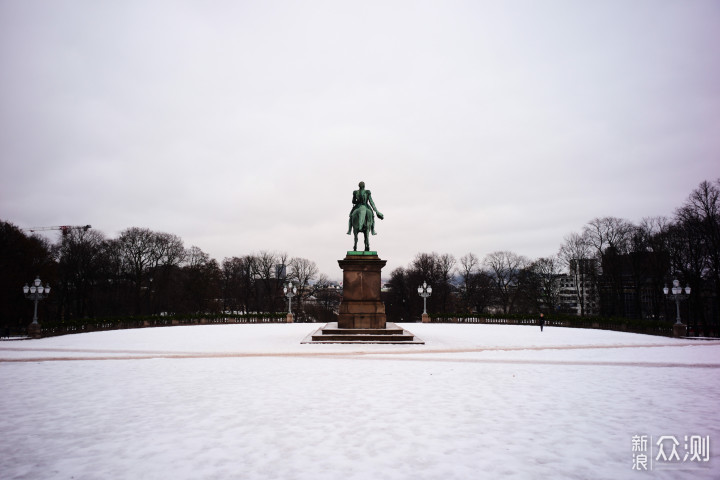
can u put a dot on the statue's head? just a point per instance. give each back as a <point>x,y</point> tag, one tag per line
<point>361,184</point>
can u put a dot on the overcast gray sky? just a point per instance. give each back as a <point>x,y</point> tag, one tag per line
<point>245,126</point>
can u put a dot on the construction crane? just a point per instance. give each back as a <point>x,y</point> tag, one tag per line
<point>65,229</point>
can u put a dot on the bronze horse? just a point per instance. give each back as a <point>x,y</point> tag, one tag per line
<point>361,216</point>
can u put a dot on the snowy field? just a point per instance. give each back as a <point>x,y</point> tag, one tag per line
<point>251,402</point>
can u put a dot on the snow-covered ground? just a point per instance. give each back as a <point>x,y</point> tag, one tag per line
<point>251,402</point>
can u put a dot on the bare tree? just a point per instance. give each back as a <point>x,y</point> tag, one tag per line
<point>648,263</point>
<point>136,251</point>
<point>469,264</point>
<point>168,249</point>
<point>399,300</point>
<point>142,252</point>
<point>696,249</point>
<point>608,233</point>
<point>575,255</point>
<point>445,265</point>
<point>303,272</point>
<point>239,283</point>
<point>81,257</point>
<point>168,254</point>
<point>436,270</point>
<point>425,265</point>
<point>195,257</point>
<point>611,238</point>
<point>268,285</point>
<point>231,275</point>
<point>21,257</point>
<point>327,300</point>
<point>648,235</point>
<point>701,214</point>
<point>200,283</point>
<point>505,268</point>
<point>546,272</point>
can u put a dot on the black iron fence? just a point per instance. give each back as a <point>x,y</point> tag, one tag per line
<point>650,327</point>
<point>51,329</point>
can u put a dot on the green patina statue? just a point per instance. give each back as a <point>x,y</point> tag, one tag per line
<point>361,216</point>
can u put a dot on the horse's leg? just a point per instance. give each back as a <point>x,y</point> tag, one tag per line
<point>355,244</point>
<point>367,241</point>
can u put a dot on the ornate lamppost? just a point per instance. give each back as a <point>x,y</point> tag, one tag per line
<point>290,290</point>
<point>425,291</point>
<point>679,330</point>
<point>36,292</point>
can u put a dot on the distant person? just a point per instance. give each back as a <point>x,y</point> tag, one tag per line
<point>542,321</point>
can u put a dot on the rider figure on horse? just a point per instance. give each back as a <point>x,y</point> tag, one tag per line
<point>361,198</point>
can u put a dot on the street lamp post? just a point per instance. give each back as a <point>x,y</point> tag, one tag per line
<point>290,290</point>
<point>425,291</point>
<point>36,292</point>
<point>679,330</point>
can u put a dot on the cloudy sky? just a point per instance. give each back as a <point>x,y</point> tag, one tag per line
<point>245,126</point>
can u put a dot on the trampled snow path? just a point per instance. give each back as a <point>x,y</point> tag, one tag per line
<point>248,401</point>
<point>44,355</point>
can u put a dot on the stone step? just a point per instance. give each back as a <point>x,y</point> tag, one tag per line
<point>330,333</point>
<point>362,331</point>
<point>363,338</point>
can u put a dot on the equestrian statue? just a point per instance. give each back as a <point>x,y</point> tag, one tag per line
<point>362,218</point>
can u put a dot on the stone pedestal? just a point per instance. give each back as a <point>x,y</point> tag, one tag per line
<point>289,318</point>
<point>361,306</point>
<point>34,330</point>
<point>425,318</point>
<point>679,330</point>
<point>391,334</point>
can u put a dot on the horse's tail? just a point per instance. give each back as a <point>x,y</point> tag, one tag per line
<point>359,218</point>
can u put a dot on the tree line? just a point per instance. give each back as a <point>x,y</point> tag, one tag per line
<point>143,272</point>
<point>612,268</point>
